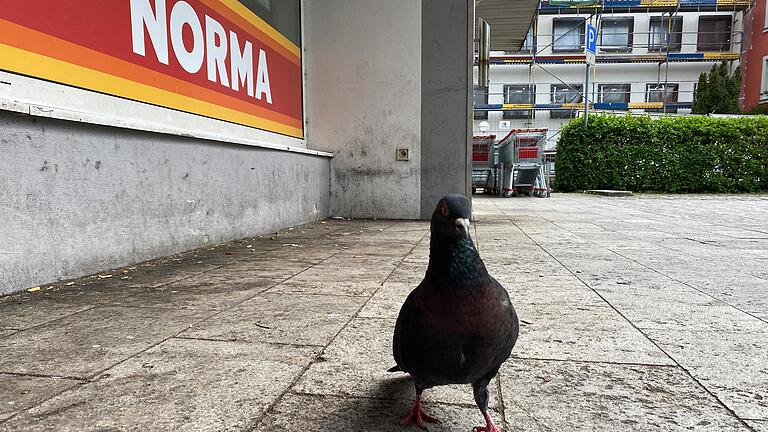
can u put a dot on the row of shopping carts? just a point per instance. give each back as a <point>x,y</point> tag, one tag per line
<point>514,165</point>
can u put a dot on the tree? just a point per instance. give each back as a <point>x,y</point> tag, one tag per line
<point>735,90</point>
<point>701,97</point>
<point>718,91</point>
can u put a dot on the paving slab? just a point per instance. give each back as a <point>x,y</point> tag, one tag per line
<point>350,269</point>
<point>582,333</point>
<point>350,368</point>
<point>7,332</point>
<point>280,318</point>
<point>409,272</point>
<point>86,343</point>
<point>679,309</point>
<point>305,253</point>
<point>743,291</point>
<point>181,385</point>
<point>543,290</point>
<point>511,277</point>
<point>20,392</point>
<point>80,293</point>
<point>390,249</point>
<point>265,267</point>
<point>309,286</point>
<point>577,396</point>
<point>220,277</point>
<point>388,299</point>
<point>162,274</point>
<point>733,366</point>
<point>22,313</point>
<point>758,425</point>
<point>202,294</point>
<point>308,413</point>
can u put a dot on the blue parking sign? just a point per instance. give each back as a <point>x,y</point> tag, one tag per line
<point>591,39</point>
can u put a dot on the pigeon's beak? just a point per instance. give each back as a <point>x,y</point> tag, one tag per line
<point>463,224</point>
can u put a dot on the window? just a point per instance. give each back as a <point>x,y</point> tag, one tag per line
<point>563,94</point>
<point>616,34</point>
<point>568,34</point>
<point>664,32</point>
<point>519,94</point>
<point>764,83</point>
<point>666,93</point>
<point>714,33</point>
<point>283,15</point>
<point>480,97</point>
<point>614,93</point>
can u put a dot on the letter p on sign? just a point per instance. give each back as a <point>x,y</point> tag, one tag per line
<point>591,47</point>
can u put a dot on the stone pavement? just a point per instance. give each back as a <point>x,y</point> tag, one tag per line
<point>639,313</point>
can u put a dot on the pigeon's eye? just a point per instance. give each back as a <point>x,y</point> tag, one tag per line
<point>444,210</point>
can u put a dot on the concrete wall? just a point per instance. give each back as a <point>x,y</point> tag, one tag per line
<point>446,99</point>
<point>383,75</point>
<point>363,101</point>
<point>77,198</point>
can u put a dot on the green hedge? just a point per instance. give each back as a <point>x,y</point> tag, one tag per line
<point>666,154</point>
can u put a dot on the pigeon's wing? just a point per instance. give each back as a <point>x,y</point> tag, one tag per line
<point>509,325</point>
<point>403,337</point>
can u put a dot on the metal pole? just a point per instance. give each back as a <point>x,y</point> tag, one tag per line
<point>672,14</point>
<point>586,95</point>
<point>501,181</point>
<point>484,54</point>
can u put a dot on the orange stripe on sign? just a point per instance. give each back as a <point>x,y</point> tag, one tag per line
<point>241,16</point>
<point>49,46</point>
<point>27,63</point>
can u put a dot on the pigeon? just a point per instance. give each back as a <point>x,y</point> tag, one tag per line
<point>458,326</point>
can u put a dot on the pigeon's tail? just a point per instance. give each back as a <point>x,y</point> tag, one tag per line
<point>395,369</point>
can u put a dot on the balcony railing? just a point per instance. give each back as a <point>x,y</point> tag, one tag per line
<point>649,41</point>
<point>570,97</point>
<point>685,5</point>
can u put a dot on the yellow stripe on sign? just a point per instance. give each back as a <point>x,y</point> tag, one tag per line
<point>262,25</point>
<point>573,105</point>
<point>28,63</point>
<point>517,106</point>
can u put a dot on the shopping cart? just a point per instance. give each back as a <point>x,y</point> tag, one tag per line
<point>483,161</point>
<point>523,163</point>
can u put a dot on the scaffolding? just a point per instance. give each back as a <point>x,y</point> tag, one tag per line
<point>663,54</point>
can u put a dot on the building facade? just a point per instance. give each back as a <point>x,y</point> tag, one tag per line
<point>754,58</point>
<point>649,57</point>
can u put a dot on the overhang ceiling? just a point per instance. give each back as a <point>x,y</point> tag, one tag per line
<point>509,20</point>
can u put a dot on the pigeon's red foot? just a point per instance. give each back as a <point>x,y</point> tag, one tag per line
<point>489,425</point>
<point>418,416</point>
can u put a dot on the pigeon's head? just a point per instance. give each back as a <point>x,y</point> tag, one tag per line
<point>451,217</point>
